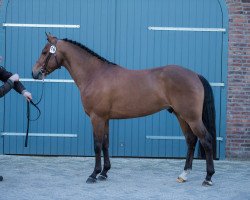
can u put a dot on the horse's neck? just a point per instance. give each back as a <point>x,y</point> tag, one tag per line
<point>81,65</point>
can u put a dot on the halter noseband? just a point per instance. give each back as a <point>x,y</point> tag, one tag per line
<point>52,51</point>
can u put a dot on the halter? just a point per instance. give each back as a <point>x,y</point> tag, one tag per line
<point>52,51</point>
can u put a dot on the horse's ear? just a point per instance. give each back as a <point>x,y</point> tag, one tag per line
<point>49,37</point>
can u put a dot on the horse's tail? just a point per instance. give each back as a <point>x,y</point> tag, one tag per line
<point>208,116</point>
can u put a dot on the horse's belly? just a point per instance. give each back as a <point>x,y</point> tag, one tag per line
<point>137,108</point>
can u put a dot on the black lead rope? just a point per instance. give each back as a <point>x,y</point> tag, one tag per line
<point>28,124</point>
<point>28,115</point>
<point>28,118</point>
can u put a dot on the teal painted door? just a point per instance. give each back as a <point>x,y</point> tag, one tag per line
<point>118,31</point>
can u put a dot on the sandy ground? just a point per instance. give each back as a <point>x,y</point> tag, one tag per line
<point>56,178</point>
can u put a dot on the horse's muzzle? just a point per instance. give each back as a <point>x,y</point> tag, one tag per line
<point>37,75</point>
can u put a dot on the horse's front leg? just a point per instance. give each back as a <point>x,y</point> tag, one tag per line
<point>105,150</point>
<point>98,131</point>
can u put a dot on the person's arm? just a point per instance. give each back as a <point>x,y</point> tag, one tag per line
<point>6,87</point>
<point>5,75</point>
<point>18,86</point>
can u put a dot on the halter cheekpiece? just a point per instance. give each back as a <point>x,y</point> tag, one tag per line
<point>52,51</point>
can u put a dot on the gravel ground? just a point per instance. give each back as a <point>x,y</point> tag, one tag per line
<point>57,178</point>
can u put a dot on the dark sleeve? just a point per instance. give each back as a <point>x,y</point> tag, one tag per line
<point>5,75</point>
<point>6,87</point>
<point>18,86</point>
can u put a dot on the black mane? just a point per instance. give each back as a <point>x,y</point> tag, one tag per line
<point>88,50</point>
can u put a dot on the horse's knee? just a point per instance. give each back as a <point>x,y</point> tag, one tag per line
<point>105,147</point>
<point>97,147</point>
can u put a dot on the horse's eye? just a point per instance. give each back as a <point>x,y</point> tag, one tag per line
<point>44,52</point>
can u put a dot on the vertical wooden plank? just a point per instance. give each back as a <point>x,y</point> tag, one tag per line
<point>66,149</point>
<point>48,121</point>
<point>74,117</point>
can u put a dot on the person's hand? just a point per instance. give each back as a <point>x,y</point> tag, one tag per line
<point>27,95</point>
<point>14,78</point>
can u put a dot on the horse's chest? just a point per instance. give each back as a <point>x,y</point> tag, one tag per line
<point>95,103</point>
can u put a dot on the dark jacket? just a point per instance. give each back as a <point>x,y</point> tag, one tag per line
<point>8,84</point>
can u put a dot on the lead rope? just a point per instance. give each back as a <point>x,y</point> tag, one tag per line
<point>28,115</point>
<point>28,123</point>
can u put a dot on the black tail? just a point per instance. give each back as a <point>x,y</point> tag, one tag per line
<point>208,116</point>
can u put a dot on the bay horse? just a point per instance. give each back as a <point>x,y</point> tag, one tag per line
<point>109,91</point>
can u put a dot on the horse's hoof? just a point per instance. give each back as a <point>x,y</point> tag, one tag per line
<point>180,180</point>
<point>207,183</point>
<point>1,178</point>
<point>91,180</point>
<point>102,177</point>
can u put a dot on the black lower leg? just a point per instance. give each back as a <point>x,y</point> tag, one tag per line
<point>191,142</point>
<point>105,150</point>
<point>206,141</point>
<point>98,167</point>
<point>207,145</point>
<point>107,164</point>
<point>189,159</point>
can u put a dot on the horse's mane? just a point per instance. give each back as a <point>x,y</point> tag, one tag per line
<point>88,50</point>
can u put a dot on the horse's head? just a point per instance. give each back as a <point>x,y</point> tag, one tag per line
<point>49,60</point>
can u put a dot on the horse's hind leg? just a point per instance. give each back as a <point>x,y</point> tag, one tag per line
<point>191,140</point>
<point>98,128</point>
<point>205,138</point>
<point>105,150</point>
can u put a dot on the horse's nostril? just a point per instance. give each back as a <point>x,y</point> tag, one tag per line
<point>34,75</point>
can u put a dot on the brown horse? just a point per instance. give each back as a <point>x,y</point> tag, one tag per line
<point>109,91</point>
